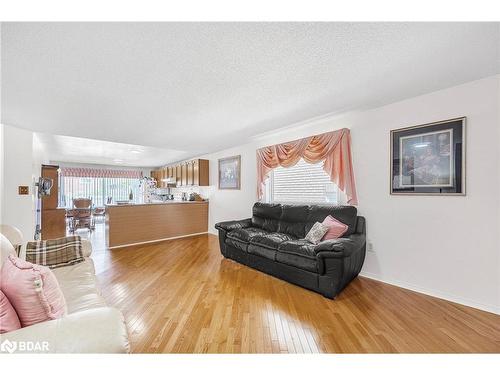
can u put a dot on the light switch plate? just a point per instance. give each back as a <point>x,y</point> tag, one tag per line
<point>23,190</point>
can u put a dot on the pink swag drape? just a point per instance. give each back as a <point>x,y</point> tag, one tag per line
<point>332,147</point>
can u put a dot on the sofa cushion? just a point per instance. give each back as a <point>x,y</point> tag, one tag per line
<point>245,234</point>
<point>9,321</point>
<point>298,253</point>
<point>266,216</point>
<point>261,251</point>
<point>32,290</point>
<point>293,220</point>
<point>267,244</point>
<point>344,214</point>
<point>239,238</point>
<point>79,286</point>
<point>270,240</point>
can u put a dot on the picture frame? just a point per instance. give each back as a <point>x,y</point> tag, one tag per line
<point>230,173</point>
<point>428,159</point>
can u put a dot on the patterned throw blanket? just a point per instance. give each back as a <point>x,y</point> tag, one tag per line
<point>61,252</point>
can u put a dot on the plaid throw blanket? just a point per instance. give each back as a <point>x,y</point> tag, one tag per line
<point>56,253</point>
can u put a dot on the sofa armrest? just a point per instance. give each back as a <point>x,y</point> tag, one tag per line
<point>234,224</point>
<point>100,330</point>
<point>340,247</point>
<point>86,248</point>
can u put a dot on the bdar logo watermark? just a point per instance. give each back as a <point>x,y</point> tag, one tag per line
<point>8,346</point>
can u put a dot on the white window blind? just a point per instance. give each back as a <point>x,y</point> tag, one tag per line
<point>302,183</point>
<point>97,188</point>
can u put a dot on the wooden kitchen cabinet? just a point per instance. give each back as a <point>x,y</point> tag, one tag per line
<point>184,174</point>
<point>178,175</point>
<point>190,172</point>
<point>164,175</point>
<point>202,172</point>
<point>196,172</point>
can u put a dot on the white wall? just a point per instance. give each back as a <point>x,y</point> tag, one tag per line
<point>18,210</point>
<point>1,135</point>
<point>1,173</point>
<point>444,246</point>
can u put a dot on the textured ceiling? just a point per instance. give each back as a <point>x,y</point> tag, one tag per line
<point>200,87</point>
<point>92,151</point>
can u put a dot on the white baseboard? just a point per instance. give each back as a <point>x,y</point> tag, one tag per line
<point>434,293</point>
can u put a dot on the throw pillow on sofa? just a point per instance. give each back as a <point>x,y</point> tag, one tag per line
<point>9,321</point>
<point>32,290</point>
<point>316,233</point>
<point>59,252</point>
<point>336,229</point>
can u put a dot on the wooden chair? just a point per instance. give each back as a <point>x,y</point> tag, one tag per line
<point>83,217</point>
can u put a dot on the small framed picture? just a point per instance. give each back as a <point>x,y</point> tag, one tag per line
<point>230,173</point>
<point>429,159</point>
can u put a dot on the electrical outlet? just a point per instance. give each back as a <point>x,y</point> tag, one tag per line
<point>369,247</point>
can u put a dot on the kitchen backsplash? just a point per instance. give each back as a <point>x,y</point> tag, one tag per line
<point>203,191</point>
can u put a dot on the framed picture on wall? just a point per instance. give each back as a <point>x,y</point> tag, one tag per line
<point>230,173</point>
<point>429,159</point>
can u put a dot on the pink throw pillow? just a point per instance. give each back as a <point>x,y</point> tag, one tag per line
<point>32,290</point>
<point>9,321</point>
<point>336,228</point>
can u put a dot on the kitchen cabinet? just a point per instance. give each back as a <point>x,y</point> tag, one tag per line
<point>202,172</point>
<point>178,175</point>
<point>189,173</point>
<point>165,176</point>
<point>184,174</point>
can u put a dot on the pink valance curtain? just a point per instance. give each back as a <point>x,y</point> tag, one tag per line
<point>103,173</point>
<point>332,147</point>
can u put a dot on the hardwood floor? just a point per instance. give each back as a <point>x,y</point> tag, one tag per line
<point>182,296</point>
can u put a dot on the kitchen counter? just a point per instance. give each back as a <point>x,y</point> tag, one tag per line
<point>139,223</point>
<point>155,203</point>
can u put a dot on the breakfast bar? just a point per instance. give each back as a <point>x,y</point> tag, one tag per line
<point>132,224</point>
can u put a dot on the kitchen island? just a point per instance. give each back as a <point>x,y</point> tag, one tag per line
<point>132,224</point>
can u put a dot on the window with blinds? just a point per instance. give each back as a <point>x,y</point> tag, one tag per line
<point>97,188</point>
<point>302,183</point>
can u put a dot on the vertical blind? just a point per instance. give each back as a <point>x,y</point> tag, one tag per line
<point>97,187</point>
<point>302,183</point>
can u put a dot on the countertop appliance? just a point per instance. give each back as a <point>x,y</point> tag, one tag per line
<point>163,194</point>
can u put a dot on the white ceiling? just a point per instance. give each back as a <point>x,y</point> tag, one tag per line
<point>201,87</point>
<point>92,151</point>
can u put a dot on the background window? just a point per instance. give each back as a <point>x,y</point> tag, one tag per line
<point>97,189</point>
<point>302,183</point>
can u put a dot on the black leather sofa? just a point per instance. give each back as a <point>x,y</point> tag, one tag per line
<point>272,241</point>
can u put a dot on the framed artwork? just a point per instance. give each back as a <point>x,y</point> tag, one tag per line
<point>429,159</point>
<point>230,173</point>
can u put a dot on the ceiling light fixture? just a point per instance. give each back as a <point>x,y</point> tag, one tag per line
<point>119,161</point>
<point>135,151</point>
